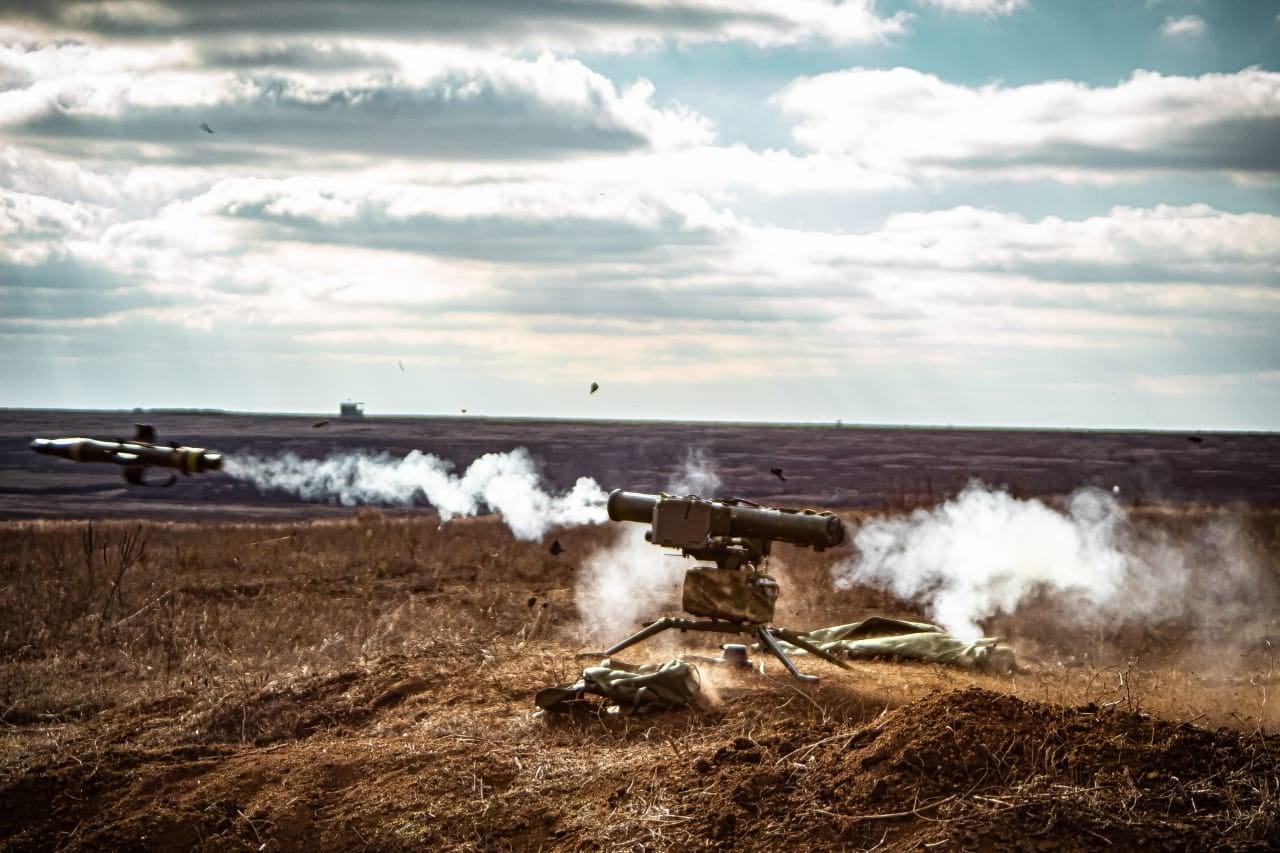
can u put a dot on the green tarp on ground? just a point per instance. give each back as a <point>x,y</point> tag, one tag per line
<point>881,637</point>
<point>676,684</point>
<point>630,689</point>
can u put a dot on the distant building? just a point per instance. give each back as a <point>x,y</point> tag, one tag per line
<point>350,409</point>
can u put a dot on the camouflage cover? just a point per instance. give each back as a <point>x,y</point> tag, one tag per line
<point>729,594</point>
<point>632,689</point>
<point>881,637</point>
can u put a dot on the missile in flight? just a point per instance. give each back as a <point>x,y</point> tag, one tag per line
<point>135,456</point>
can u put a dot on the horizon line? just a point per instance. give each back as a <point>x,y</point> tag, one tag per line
<point>831,424</point>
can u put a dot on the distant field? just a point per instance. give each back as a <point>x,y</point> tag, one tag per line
<point>824,465</point>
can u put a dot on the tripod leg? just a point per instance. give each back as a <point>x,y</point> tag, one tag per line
<point>768,642</point>
<point>714,626</point>
<point>644,634</point>
<point>796,640</point>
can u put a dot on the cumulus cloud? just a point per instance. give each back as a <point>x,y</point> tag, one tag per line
<point>435,103</point>
<point>908,122</point>
<point>1186,26</point>
<point>1194,243</point>
<point>37,218</point>
<point>982,7</point>
<point>523,222</point>
<point>543,24</point>
<point>544,276</point>
<point>1163,243</point>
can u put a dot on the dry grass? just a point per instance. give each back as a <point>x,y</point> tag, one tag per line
<point>103,615</point>
<point>370,680</point>
<point>99,615</point>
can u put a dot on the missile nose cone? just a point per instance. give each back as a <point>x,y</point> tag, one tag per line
<point>41,445</point>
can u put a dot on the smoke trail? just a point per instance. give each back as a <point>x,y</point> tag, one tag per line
<point>505,483</point>
<point>630,579</point>
<point>985,553</point>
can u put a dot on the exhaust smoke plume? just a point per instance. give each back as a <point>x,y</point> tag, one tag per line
<point>505,483</point>
<point>624,582</point>
<point>985,553</point>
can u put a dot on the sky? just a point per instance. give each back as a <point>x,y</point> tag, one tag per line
<point>1043,213</point>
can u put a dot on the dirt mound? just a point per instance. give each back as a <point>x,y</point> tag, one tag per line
<point>983,769</point>
<point>408,754</point>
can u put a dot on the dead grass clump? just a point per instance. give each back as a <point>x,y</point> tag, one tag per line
<point>94,616</point>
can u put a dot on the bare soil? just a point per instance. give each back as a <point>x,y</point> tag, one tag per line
<point>367,682</point>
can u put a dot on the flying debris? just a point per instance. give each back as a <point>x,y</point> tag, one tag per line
<point>319,424</point>
<point>556,548</point>
<point>777,472</point>
<point>136,456</point>
<point>204,125</point>
<point>595,386</point>
<point>401,363</point>
<point>1195,439</point>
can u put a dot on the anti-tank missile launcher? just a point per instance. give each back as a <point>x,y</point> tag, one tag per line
<point>707,521</point>
<point>736,594</point>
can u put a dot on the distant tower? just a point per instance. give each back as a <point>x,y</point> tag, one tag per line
<point>351,409</point>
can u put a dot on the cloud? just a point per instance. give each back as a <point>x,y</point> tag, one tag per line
<point>542,24</point>
<point>29,217</point>
<point>474,277</point>
<point>432,104</point>
<point>1194,243</point>
<point>907,122</point>
<point>1187,26</point>
<point>527,273</point>
<point>553,223</point>
<point>982,7</point>
<point>61,289</point>
<point>526,222</point>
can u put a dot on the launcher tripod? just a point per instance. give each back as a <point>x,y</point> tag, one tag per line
<point>736,595</point>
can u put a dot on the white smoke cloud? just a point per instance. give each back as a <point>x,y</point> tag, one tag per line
<point>506,483</point>
<point>985,553</point>
<point>626,582</point>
